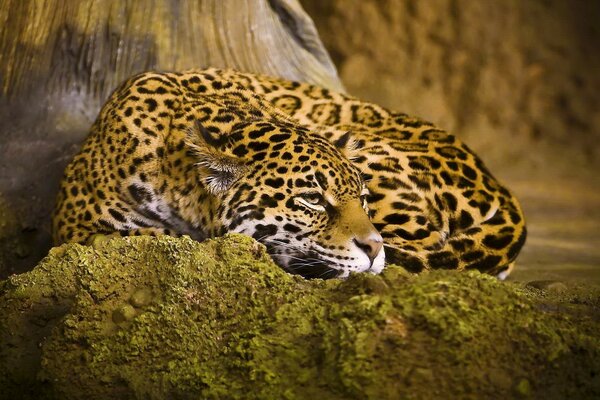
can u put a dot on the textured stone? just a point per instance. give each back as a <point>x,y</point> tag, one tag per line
<point>548,285</point>
<point>220,320</point>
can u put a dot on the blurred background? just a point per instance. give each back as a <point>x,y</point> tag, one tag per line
<point>518,81</point>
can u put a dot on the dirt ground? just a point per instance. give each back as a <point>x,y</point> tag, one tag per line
<point>564,236</point>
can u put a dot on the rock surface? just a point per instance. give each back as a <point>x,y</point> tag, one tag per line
<point>156,318</point>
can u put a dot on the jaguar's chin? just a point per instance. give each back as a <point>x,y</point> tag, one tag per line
<point>313,270</point>
<point>307,265</point>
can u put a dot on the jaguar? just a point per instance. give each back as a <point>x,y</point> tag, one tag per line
<point>328,183</point>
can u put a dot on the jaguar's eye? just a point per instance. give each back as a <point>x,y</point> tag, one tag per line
<point>363,195</point>
<point>363,199</point>
<point>314,198</point>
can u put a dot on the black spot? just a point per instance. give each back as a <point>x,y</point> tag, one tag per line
<point>116,215</point>
<point>149,132</point>
<point>342,141</point>
<point>259,156</point>
<point>400,205</point>
<point>264,231</point>
<point>407,261</point>
<point>106,224</point>
<point>484,208</point>
<point>291,228</point>
<point>152,104</point>
<point>274,183</point>
<point>421,220</point>
<point>139,193</point>
<point>300,183</point>
<point>391,184</point>
<point>258,146</point>
<point>421,183</point>
<point>514,217</point>
<point>418,235</point>
<point>397,219</point>
<point>74,191</point>
<point>469,172</point>
<point>465,220</point>
<point>280,137</point>
<point>224,118</point>
<point>267,201</point>
<point>381,167</point>
<point>442,259</point>
<point>374,197</point>
<point>472,256</point>
<point>485,264</point>
<point>416,165</point>
<point>450,200</point>
<point>497,219</point>
<point>240,150</point>
<point>321,179</point>
<point>464,183</point>
<point>261,132</point>
<point>447,178</point>
<point>458,246</point>
<point>515,248</point>
<point>472,231</point>
<point>497,242</point>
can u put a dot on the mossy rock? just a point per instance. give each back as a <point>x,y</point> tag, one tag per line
<point>157,318</point>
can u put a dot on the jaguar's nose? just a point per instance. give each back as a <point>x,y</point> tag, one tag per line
<point>370,244</point>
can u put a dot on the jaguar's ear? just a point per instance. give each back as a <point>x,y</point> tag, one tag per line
<point>347,145</point>
<point>218,170</point>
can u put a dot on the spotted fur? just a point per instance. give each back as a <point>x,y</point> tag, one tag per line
<point>208,152</point>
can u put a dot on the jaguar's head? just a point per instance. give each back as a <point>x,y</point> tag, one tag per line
<point>293,191</point>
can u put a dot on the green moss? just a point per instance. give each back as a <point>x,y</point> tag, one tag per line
<point>161,318</point>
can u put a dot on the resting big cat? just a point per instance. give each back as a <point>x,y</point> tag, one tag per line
<point>330,184</point>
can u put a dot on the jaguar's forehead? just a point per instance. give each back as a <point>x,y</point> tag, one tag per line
<point>299,157</point>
